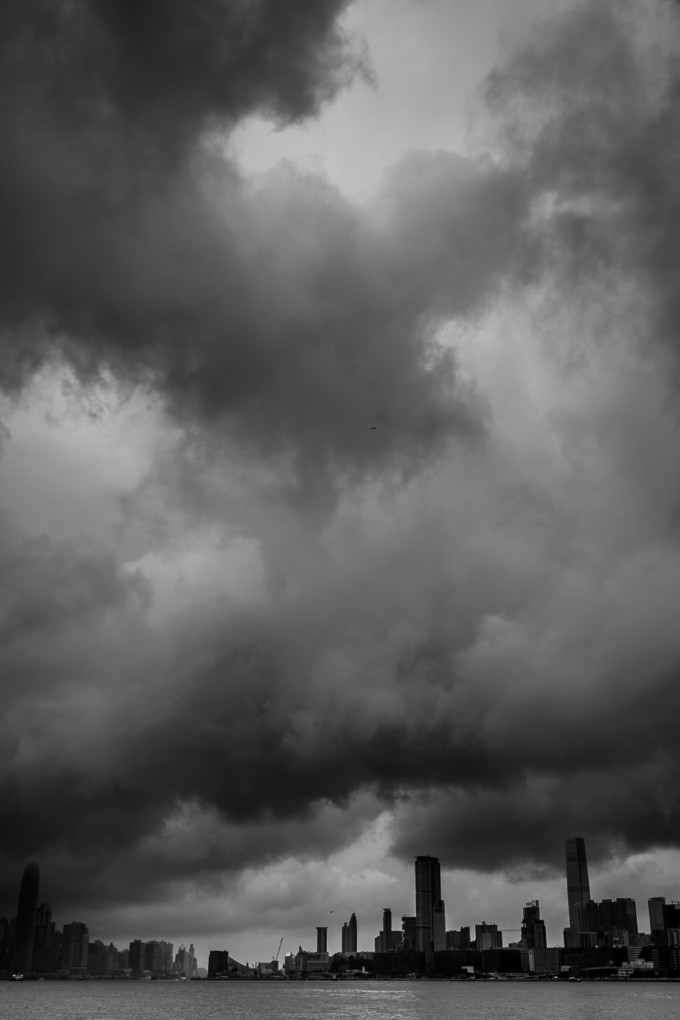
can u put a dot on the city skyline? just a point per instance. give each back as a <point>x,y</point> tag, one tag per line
<point>30,943</point>
<point>338,460</point>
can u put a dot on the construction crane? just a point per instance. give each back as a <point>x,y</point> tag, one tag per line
<point>276,958</point>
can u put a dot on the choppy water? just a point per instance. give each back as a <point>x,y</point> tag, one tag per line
<point>393,1000</point>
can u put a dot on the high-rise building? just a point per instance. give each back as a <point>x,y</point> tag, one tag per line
<point>439,926</point>
<point>349,935</point>
<point>218,964</point>
<point>43,941</point>
<point>74,948</point>
<point>458,939</point>
<point>430,916</point>
<point>24,931</point>
<point>533,928</point>
<point>408,930</point>
<point>102,960</point>
<point>609,915</point>
<point>656,919</point>
<point>487,936</point>
<point>136,957</point>
<point>322,940</point>
<point>184,961</point>
<point>158,957</point>
<point>387,930</point>
<point>578,886</point>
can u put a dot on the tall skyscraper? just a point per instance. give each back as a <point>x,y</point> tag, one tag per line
<point>578,886</point>
<point>24,932</point>
<point>430,917</point>
<point>349,935</point>
<point>322,940</point>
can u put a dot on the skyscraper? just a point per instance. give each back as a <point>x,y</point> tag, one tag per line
<point>43,941</point>
<point>430,918</point>
<point>578,886</point>
<point>74,948</point>
<point>349,935</point>
<point>656,918</point>
<point>533,928</point>
<point>387,930</point>
<point>22,958</point>
<point>322,940</point>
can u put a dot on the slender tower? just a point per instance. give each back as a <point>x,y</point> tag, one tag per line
<point>387,930</point>
<point>430,922</point>
<point>22,958</point>
<point>578,886</point>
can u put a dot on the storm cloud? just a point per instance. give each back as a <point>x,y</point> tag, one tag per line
<point>401,529</point>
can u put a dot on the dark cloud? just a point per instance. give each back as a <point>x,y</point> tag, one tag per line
<point>130,244</point>
<point>589,109</point>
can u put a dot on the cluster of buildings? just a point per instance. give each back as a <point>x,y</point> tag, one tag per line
<point>601,940</point>
<point>31,944</point>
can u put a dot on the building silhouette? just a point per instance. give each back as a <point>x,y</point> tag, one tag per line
<point>24,931</point>
<point>75,948</point>
<point>387,930</point>
<point>533,928</point>
<point>610,916</point>
<point>487,936</point>
<point>458,939</point>
<point>349,935</point>
<point>408,928</point>
<point>218,964</point>
<point>578,886</point>
<point>430,916</point>
<point>136,957</point>
<point>322,940</point>
<point>44,942</point>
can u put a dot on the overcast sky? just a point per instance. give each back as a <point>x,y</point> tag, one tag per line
<point>339,449</point>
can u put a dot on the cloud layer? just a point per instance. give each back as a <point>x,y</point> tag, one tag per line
<point>401,531</point>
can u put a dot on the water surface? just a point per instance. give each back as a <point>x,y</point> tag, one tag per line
<point>365,1000</point>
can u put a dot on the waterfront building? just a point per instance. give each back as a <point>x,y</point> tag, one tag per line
<point>218,964</point>
<point>136,957</point>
